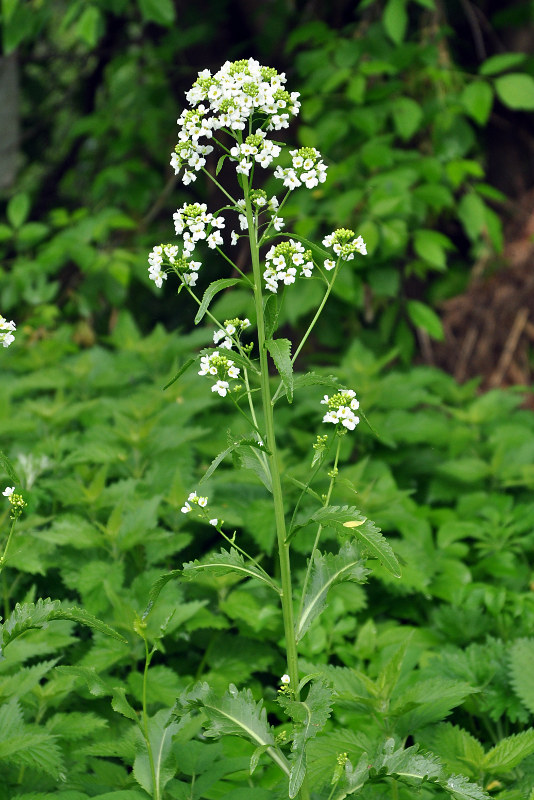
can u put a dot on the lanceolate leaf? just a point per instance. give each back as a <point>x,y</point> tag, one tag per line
<point>328,569</point>
<point>230,449</point>
<point>309,717</point>
<point>156,588</point>
<point>348,520</point>
<point>211,291</point>
<point>224,562</point>
<point>28,616</point>
<point>180,372</point>
<point>280,351</point>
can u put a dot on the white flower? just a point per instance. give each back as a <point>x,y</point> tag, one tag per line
<point>329,264</point>
<point>214,522</point>
<point>6,331</point>
<point>186,508</point>
<point>8,491</point>
<point>285,679</point>
<point>203,502</point>
<point>234,237</point>
<point>221,387</point>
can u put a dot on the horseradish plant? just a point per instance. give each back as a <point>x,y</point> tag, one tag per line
<point>238,110</point>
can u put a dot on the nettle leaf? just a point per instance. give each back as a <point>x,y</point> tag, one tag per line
<point>28,616</point>
<point>408,763</point>
<point>521,658</point>
<point>27,745</point>
<point>354,777</point>
<point>96,685</point>
<point>280,351</point>
<point>462,789</point>
<point>213,289</point>
<point>235,713</point>
<point>160,733</point>
<point>309,717</point>
<point>509,752</point>
<point>327,570</point>
<point>429,701</point>
<point>224,562</point>
<point>457,748</point>
<point>349,520</point>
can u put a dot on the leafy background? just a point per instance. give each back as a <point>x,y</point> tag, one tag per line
<point>408,115</point>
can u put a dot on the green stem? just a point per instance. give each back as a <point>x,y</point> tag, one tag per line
<point>333,476</point>
<point>155,785</point>
<point>4,554</point>
<point>278,501</point>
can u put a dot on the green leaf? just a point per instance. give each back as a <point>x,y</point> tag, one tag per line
<point>156,588</point>
<point>395,20</point>
<point>501,62</point>
<point>121,705</point>
<point>211,291</point>
<point>7,465</point>
<point>180,372</point>
<point>309,717</point>
<point>270,313</point>
<point>477,99</point>
<point>280,351</point>
<point>407,117</point>
<point>425,317</point>
<point>224,562</point>
<point>521,659</point>
<point>348,520</point>
<point>18,209</point>
<point>160,733</point>
<point>96,685</point>
<point>220,162</point>
<point>462,789</point>
<point>327,570</point>
<point>457,748</point>
<point>431,246</point>
<point>90,26</point>
<point>509,752</point>
<point>80,615</point>
<point>246,456</point>
<point>472,214</point>
<point>516,91</point>
<point>160,11</point>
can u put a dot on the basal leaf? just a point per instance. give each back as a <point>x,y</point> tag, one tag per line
<point>280,351</point>
<point>224,562</point>
<point>349,520</point>
<point>211,291</point>
<point>327,570</point>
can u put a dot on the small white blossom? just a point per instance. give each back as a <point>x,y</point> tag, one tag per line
<point>8,491</point>
<point>341,408</point>
<point>214,522</point>
<point>285,679</point>
<point>221,387</point>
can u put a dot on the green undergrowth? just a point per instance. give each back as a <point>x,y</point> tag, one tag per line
<point>432,673</point>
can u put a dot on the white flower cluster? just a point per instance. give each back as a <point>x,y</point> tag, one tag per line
<point>344,243</point>
<point>255,148</point>
<point>228,99</point>
<point>282,261</point>
<point>167,255</point>
<point>307,168</point>
<point>195,500</point>
<point>220,367</point>
<point>232,327</point>
<point>7,330</point>
<point>341,408</point>
<point>191,221</point>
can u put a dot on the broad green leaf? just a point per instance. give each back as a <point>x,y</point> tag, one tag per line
<point>18,209</point>
<point>280,351</point>
<point>426,318</point>
<point>516,91</point>
<point>19,27</point>
<point>509,752</point>
<point>409,763</point>
<point>156,588</point>
<point>224,562</point>
<point>458,749</point>
<point>395,20</point>
<point>354,778</point>
<point>327,570</point>
<point>429,701</point>
<point>118,794</point>
<point>90,26</point>
<point>96,685</point>
<point>462,789</point>
<point>160,11</point>
<point>407,117</point>
<point>472,214</point>
<point>313,379</point>
<point>211,291</point>
<point>348,520</point>
<point>180,372</point>
<point>309,717</point>
<point>7,465</point>
<point>521,659</point>
<point>477,99</point>
<point>431,246</point>
<point>501,62</point>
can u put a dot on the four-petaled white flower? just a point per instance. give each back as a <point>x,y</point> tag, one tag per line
<point>285,679</point>
<point>8,491</point>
